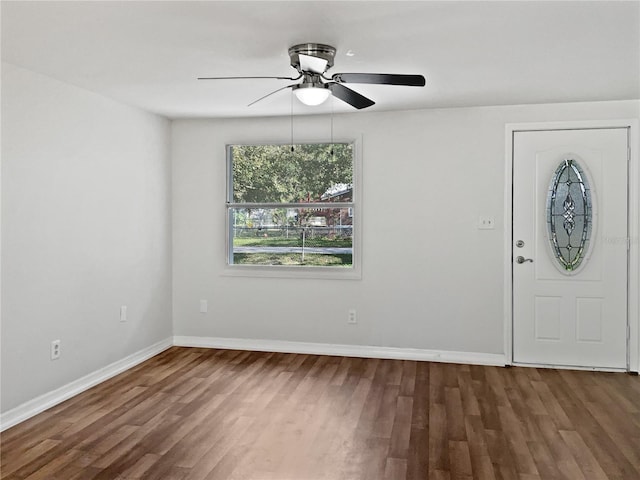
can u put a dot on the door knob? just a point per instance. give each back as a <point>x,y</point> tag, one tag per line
<point>521,259</point>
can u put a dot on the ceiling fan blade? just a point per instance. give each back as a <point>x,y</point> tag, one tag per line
<point>247,78</point>
<point>380,78</point>
<point>312,64</point>
<point>269,94</point>
<point>347,95</point>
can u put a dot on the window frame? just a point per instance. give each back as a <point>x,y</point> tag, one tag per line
<point>296,271</point>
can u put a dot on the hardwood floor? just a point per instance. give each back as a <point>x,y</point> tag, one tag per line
<point>193,413</point>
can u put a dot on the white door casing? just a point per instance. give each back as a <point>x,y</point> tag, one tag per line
<point>577,319</point>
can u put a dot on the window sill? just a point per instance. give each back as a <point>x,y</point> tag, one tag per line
<point>270,271</point>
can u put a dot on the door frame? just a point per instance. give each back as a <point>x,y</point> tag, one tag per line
<point>633,229</point>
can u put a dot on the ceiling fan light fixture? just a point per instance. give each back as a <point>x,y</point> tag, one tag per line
<point>311,61</point>
<point>311,94</point>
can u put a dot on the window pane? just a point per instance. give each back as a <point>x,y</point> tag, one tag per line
<point>275,174</point>
<point>569,215</point>
<point>292,236</point>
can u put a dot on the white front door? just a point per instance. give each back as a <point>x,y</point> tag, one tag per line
<point>570,247</point>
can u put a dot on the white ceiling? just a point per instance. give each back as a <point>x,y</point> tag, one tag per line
<point>148,54</point>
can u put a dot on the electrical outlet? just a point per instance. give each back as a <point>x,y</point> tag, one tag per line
<point>486,223</point>
<point>351,316</point>
<point>123,313</point>
<point>55,350</point>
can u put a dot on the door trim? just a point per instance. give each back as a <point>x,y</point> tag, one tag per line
<point>633,229</point>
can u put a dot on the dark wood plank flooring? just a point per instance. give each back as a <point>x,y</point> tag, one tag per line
<point>192,413</point>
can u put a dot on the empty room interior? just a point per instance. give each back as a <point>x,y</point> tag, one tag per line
<point>318,240</point>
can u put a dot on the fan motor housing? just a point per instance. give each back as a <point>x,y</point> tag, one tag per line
<point>320,50</point>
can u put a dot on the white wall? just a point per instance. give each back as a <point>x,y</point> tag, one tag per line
<point>86,227</point>
<point>431,279</point>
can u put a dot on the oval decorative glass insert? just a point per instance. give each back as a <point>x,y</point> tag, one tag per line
<point>569,215</point>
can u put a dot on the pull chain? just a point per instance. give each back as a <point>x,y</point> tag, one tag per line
<point>292,149</point>
<point>332,152</point>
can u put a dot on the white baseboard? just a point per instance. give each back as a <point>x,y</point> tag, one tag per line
<point>59,395</point>
<point>362,351</point>
<point>50,399</point>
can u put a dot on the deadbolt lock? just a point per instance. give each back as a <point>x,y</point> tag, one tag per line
<point>519,244</point>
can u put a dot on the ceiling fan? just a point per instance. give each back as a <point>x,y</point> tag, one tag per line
<point>312,60</point>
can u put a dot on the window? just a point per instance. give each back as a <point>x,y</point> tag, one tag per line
<point>569,215</point>
<point>291,206</point>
